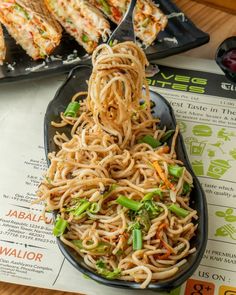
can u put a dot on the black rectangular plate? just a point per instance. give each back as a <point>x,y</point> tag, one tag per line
<point>180,35</point>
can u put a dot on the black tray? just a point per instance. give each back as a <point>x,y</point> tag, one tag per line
<point>180,35</point>
<point>77,82</point>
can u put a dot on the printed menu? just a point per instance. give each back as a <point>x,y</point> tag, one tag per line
<point>205,110</point>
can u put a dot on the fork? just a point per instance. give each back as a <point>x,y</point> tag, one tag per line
<point>125,30</point>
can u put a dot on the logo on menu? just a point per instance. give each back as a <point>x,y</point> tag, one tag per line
<point>178,82</point>
<point>228,86</point>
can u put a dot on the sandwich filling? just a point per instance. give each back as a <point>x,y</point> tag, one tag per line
<point>29,29</point>
<point>2,47</point>
<point>81,20</point>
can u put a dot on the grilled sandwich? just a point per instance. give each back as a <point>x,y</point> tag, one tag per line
<point>32,26</point>
<point>149,20</point>
<point>2,47</point>
<point>81,20</point>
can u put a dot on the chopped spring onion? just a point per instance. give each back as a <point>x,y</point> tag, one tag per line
<point>60,227</point>
<point>111,188</point>
<point>150,195</point>
<point>128,203</point>
<point>143,220</point>
<point>85,38</point>
<point>102,269</point>
<point>84,205</point>
<point>101,248</point>
<point>134,225</point>
<point>152,209</point>
<point>149,139</point>
<point>186,188</point>
<point>72,109</point>
<point>178,210</point>
<point>143,104</point>
<point>94,208</point>
<point>175,170</point>
<point>137,239</point>
<point>167,135</point>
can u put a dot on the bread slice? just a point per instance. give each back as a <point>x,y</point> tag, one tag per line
<point>81,20</point>
<point>30,23</point>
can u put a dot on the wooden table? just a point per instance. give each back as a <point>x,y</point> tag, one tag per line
<point>219,25</point>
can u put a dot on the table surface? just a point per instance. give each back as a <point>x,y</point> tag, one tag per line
<point>219,25</point>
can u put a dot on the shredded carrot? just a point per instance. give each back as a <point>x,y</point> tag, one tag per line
<point>162,175</point>
<point>163,150</point>
<point>164,256</point>
<point>167,254</point>
<point>160,230</point>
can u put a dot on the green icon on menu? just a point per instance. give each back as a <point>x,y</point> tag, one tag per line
<point>233,153</point>
<point>227,215</point>
<point>222,133</point>
<point>218,168</point>
<point>211,153</point>
<point>196,147</point>
<point>198,167</point>
<point>227,229</point>
<point>202,130</point>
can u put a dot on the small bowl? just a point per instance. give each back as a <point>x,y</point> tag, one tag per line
<point>224,47</point>
<point>76,82</point>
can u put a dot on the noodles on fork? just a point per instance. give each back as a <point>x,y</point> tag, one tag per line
<point>123,199</point>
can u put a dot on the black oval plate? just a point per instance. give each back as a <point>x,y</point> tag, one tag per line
<point>76,82</point>
<point>180,35</point>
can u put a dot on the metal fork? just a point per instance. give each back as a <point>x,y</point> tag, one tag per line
<point>125,30</point>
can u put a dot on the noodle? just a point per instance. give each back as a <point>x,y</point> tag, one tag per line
<point>107,159</point>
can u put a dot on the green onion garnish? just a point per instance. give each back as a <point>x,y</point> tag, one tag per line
<point>101,248</point>
<point>149,139</point>
<point>178,210</point>
<point>85,38</point>
<point>186,188</point>
<point>82,207</point>
<point>102,269</point>
<point>60,227</point>
<point>137,239</point>
<point>152,209</point>
<point>167,135</point>
<point>143,104</point>
<point>128,203</point>
<point>175,170</point>
<point>72,109</point>
<point>94,208</point>
<point>150,195</point>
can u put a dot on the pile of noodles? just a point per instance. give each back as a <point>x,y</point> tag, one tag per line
<point>104,159</point>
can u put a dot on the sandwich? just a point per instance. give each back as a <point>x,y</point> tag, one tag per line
<point>30,23</point>
<point>149,20</point>
<point>2,47</point>
<point>81,20</point>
